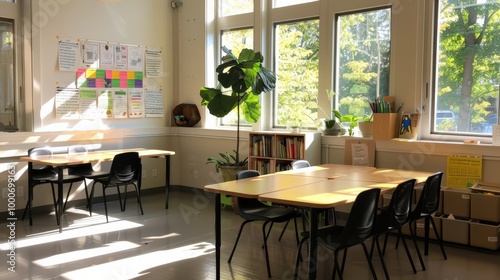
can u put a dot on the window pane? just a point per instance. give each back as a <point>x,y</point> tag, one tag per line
<point>297,56</point>
<point>467,66</point>
<point>235,7</point>
<point>283,3</point>
<point>7,100</point>
<point>236,40</point>
<point>363,52</point>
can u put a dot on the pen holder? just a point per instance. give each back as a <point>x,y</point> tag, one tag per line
<point>385,126</point>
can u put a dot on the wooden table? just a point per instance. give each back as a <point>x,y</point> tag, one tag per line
<point>60,161</point>
<point>317,188</point>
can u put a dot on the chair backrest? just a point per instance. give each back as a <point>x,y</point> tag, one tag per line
<point>40,152</point>
<point>300,163</point>
<point>78,149</point>
<point>398,211</point>
<point>124,168</point>
<point>246,174</point>
<point>360,223</point>
<point>428,202</point>
<point>246,204</point>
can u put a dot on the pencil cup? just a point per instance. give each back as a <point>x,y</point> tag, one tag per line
<point>385,126</point>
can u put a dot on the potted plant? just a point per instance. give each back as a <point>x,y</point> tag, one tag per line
<point>241,80</point>
<point>366,126</point>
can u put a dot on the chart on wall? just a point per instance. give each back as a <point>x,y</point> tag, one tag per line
<point>463,171</point>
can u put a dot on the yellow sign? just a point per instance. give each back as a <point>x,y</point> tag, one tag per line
<point>463,171</point>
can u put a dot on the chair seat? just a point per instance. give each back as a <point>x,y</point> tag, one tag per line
<point>51,177</point>
<point>269,213</point>
<point>90,174</point>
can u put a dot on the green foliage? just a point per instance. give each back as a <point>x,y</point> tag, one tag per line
<point>351,119</point>
<point>226,160</point>
<point>240,82</point>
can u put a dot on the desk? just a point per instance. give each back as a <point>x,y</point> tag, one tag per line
<point>317,188</point>
<point>60,161</point>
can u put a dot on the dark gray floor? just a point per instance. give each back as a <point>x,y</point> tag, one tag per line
<point>178,244</point>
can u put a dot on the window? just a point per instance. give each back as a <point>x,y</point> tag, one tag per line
<point>284,3</point>
<point>236,40</point>
<point>362,60</point>
<point>11,111</point>
<point>235,7</point>
<point>297,60</point>
<point>467,67</point>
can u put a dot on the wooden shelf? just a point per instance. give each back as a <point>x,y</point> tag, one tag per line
<point>270,152</point>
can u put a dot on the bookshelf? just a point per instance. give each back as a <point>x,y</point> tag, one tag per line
<point>271,152</point>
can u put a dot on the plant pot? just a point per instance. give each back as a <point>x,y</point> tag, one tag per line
<point>366,129</point>
<point>229,174</point>
<point>334,131</point>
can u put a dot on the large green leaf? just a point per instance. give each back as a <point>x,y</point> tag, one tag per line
<point>251,108</point>
<point>222,104</point>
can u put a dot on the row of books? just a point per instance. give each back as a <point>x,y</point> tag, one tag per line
<point>290,147</point>
<point>262,145</point>
<point>264,166</point>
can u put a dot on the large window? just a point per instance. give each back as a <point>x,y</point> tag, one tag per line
<point>362,60</point>
<point>296,65</point>
<point>467,67</point>
<point>10,52</point>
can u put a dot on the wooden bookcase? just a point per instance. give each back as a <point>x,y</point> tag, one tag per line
<point>270,152</point>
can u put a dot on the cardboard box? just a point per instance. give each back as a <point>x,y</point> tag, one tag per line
<point>485,207</point>
<point>455,230</point>
<point>418,192</point>
<point>456,201</point>
<point>484,235</point>
<point>385,126</point>
<point>420,228</point>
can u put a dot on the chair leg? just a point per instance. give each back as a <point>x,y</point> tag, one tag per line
<point>400,233</point>
<point>67,197</point>
<point>55,203</point>
<point>138,191</point>
<point>105,203</point>
<point>265,248</point>
<point>283,231</point>
<point>413,236</point>
<point>238,239</point>
<point>299,256</point>
<point>438,238</point>
<point>336,266</point>
<point>122,207</point>
<point>375,240</point>
<point>91,200</point>
<point>368,259</point>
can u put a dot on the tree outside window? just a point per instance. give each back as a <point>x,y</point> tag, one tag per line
<point>467,69</point>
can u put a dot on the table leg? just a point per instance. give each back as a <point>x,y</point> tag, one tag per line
<point>59,196</point>
<point>313,243</point>
<point>217,235</point>
<point>167,179</point>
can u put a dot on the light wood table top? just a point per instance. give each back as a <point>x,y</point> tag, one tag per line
<point>255,186</point>
<point>387,175</point>
<point>329,171</point>
<point>324,194</point>
<point>64,159</point>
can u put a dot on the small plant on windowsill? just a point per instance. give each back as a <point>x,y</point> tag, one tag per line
<point>366,126</point>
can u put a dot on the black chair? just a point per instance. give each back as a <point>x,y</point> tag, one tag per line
<point>358,229</point>
<point>125,170</point>
<point>427,205</point>
<point>44,174</point>
<point>393,218</point>
<point>254,210</point>
<point>84,170</point>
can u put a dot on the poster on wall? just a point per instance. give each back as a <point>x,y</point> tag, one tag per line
<point>105,104</point>
<point>88,103</point>
<point>153,64</point>
<point>135,59</point>
<point>67,103</point>
<point>120,103</point>
<point>90,54</point>
<point>68,56</point>
<point>135,103</point>
<point>106,56</point>
<point>153,103</point>
<point>463,171</point>
<point>408,127</point>
<point>121,57</point>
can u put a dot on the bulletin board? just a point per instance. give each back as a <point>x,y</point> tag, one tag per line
<point>463,171</point>
<point>359,152</point>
